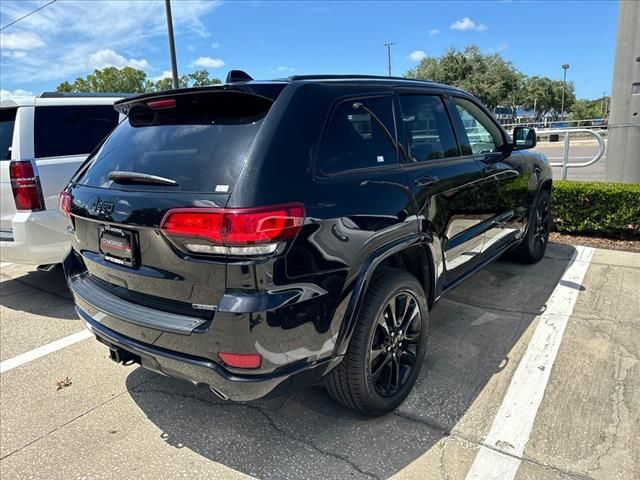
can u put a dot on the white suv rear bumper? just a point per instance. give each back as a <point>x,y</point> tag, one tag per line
<point>39,238</point>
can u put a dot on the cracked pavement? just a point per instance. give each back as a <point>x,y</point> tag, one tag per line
<point>125,422</point>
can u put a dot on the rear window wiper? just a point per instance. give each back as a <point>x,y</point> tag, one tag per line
<point>136,177</point>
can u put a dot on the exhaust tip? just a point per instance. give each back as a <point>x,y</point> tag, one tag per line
<point>47,267</point>
<point>218,393</point>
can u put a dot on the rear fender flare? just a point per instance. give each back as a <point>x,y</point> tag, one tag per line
<point>363,281</point>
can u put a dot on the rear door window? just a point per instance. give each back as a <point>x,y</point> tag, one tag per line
<point>356,139</point>
<point>201,142</point>
<point>427,128</point>
<point>71,130</point>
<point>7,123</point>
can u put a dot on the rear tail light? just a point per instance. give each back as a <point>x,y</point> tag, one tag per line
<point>246,231</point>
<point>25,186</point>
<point>64,203</point>
<point>241,360</point>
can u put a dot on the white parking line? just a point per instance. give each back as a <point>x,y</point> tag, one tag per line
<point>44,350</point>
<point>499,456</point>
<point>4,264</point>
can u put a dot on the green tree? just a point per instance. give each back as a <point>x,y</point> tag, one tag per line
<point>581,110</point>
<point>199,78</point>
<point>491,78</point>
<point>131,80</point>
<point>545,95</point>
<point>589,109</point>
<point>109,79</point>
<point>65,87</point>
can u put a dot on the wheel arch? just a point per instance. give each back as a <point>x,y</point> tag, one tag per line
<point>412,254</point>
<point>547,185</point>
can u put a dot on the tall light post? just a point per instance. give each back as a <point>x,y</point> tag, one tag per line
<point>388,45</point>
<point>172,46</point>
<point>565,67</point>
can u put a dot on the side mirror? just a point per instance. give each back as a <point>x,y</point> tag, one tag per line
<point>524,138</point>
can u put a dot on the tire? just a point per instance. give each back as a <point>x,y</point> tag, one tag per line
<point>383,363</point>
<point>534,243</point>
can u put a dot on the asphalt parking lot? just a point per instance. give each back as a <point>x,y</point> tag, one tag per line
<point>574,318</point>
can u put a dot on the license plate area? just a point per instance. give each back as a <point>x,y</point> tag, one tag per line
<point>119,246</point>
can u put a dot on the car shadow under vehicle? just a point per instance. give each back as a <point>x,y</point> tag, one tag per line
<point>473,331</point>
<point>40,293</point>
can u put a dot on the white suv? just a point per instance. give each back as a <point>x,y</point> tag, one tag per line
<point>43,141</point>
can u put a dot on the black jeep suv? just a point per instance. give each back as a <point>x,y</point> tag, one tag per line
<point>253,235</point>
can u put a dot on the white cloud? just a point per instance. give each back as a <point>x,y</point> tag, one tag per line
<point>163,75</point>
<point>20,41</point>
<point>215,45</point>
<point>208,62</point>
<point>191,48</point>
<point>109,58</point>
<point>282,68</point>
<point>73,31</point>
<point>417,55</point>
<point>467,24</point>
<point>13,54</point>
<point>433,32</point>
<point>14,94</point>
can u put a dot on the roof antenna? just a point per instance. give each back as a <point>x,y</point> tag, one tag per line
<point>238,76</point>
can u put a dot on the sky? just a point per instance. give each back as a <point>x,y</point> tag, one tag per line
<point>274,39</point>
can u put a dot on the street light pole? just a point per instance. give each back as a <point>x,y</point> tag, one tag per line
<point>172,46</point>
<point>565,67</point>
<point>388,45</point>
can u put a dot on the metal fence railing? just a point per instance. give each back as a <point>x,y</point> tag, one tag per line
<point>565,164</point>
<point>544,125</point>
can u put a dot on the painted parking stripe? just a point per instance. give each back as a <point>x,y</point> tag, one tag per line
<point>44,350</point>
<point>499,456</point>
<point>4,264</point>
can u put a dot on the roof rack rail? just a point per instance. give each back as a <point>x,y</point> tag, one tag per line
<point>84,94</point>
<point>351,75</point>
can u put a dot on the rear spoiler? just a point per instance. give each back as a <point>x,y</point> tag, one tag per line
<point>268,91</point>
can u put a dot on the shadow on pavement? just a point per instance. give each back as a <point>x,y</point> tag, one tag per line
<point>40,293</point>
<point>307,435</point>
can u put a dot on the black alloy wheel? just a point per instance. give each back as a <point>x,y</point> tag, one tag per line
<point>534,244</point>
<point>542,226</point>
<point>387,348</point>
<point>394,345</point>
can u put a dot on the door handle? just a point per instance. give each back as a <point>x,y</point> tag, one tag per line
<point>425,181</point>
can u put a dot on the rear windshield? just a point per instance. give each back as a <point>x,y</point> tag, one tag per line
<point>200,142</point>
<point>71,130</point>
<point>7,121</point>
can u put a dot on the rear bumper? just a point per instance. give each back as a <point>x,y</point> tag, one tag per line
<point>187,347</point>
<point>225,384</point>
<point>38,238</point>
